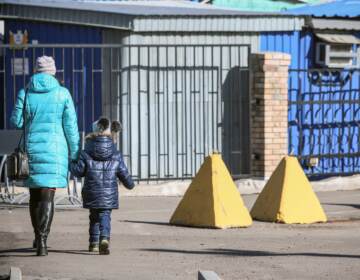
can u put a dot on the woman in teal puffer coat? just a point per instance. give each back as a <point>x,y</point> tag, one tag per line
<point>52,137</point>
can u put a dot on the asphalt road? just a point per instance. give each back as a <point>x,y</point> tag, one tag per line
<point>144,246</point>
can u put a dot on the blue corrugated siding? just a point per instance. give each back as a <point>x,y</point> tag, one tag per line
<point>80,83</point>
<point>297,44</point>
<point>315,129</point>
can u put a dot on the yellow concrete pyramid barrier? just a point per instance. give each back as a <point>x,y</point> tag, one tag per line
<point>212,199</point>
<point>288,197</point>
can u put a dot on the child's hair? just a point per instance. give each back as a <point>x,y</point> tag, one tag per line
<point>115,129</point>
<point>103,127</point>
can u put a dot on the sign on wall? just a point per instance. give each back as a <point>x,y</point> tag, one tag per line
<point>18,39</point>
<point>19,66</point>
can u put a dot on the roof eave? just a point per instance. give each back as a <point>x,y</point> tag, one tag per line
<point>66,16</point>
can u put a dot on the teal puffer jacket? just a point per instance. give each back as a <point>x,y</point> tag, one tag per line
<point>52,133</point>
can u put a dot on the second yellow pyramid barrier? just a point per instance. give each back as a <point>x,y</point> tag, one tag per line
<point>212,199</point>
<point>288,197</point>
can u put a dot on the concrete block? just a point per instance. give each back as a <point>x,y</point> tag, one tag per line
<point>208,275</point>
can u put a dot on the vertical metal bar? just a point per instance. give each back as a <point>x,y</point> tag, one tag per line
<point>176,114</point>
<point>350,130</point>
<point>212,100</point>
<point>229,113</point>
<point>14,78</point>
<point>5,91</point>
<point>23,68</point>
<point>357,122</point>
<point>322,105</point>
<point>129,105</point>
<point>300,110</point>
<point>193,117</point>
<point>158,156</point>
<point>167,110</point>
<point>83,89</point>
<point>139,115</point>
<point>148,109</point>
<point>92,87</point>
<point>203,103</point>
<point>341,127</point>
<point>239,109</point>
<point>311,132</point>
<point>73,72</point>
<point>120,88</point>
<point>331,159</point>
<point>219,103</point>
<point>63,65</point>
<point>110,82</point>
<point>249,118</point>
<point>185,156</point>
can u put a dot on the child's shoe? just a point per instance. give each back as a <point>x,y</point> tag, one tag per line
<point>94,247</point>
<point>104,247</point>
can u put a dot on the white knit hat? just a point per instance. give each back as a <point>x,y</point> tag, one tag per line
<point>45,64</point>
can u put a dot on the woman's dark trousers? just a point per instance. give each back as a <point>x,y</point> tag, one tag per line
<point>41,207</point>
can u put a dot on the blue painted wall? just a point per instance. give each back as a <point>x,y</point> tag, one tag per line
<point>81,82</point>
<point>319,130</point>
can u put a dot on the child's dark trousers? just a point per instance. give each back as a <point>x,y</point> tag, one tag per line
<point>100,224</point>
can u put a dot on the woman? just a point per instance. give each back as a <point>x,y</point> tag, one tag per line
<point>51,135</point>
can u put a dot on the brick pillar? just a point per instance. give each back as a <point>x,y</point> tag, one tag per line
<point>269,111</point>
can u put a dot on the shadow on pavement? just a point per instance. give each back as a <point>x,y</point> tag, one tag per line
<point>357,206</point>
<point>20,252</point>
<point>248,253</point>
<point>30,252</point>
<point>146,222</point>
<point>73,252</point>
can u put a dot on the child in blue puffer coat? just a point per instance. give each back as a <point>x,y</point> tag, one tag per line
<point>101,164</point>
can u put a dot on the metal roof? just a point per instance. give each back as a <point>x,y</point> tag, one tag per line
<point>156,7</point>
<point>148,16</point>
<point>338,38</point>
<point>334,23</point>
<point>335,8</point>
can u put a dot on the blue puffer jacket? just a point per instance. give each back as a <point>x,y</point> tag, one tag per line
<point>101,164</point>
<point>51,131</point>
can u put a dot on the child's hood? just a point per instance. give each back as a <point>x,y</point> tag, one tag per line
<point>100,147</point>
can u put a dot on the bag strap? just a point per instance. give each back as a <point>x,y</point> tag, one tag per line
<point>24,122</point>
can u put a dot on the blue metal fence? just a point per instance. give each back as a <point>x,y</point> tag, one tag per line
<point>324,120</point>
<point>78,68</point>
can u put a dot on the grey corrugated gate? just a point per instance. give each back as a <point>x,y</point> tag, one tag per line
<point>177,103</point>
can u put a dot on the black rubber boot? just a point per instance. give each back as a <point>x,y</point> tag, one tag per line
<point>45,216</point>
<point>32,210</point>
<point>41,206</point>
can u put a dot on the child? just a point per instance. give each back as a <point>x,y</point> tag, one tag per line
<point>101,164</point>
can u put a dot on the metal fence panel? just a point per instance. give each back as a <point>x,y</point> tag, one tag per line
<point>177,103</point>
<point>324,120</point>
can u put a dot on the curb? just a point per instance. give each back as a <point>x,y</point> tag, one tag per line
<point>245,186</point>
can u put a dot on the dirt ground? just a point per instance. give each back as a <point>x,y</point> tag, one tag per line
<point>144,246</point>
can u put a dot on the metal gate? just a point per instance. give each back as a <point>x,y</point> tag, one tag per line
<point>177,103</point>
<point>324,120</point>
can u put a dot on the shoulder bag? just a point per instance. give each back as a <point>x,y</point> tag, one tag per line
<point>18,161</point>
